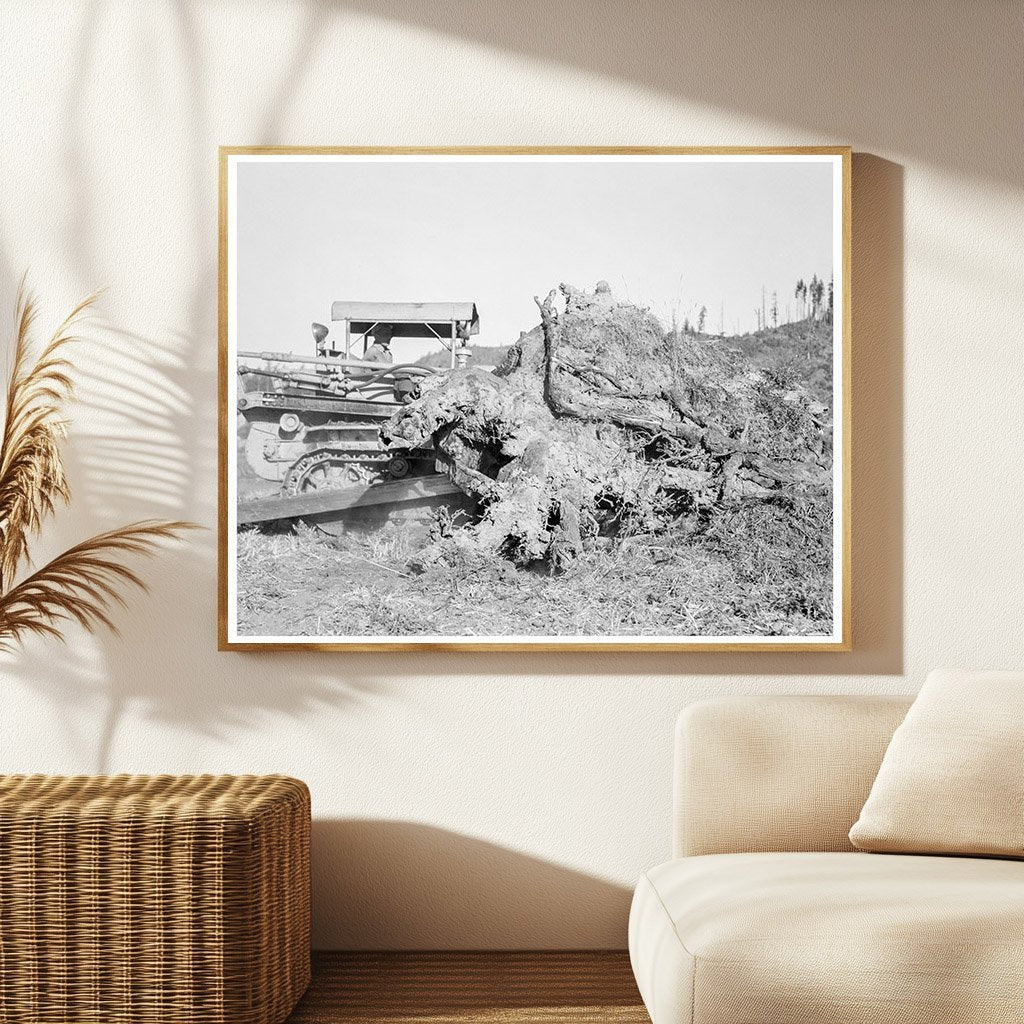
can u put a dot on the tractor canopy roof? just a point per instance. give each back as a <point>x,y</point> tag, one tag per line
<point>408,319</point>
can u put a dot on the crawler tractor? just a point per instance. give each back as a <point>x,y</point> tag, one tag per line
<point>314,420</point>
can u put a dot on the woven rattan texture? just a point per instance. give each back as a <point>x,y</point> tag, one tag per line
<point>144,899</point>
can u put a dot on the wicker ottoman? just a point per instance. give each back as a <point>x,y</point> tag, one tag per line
<point>134,899</point>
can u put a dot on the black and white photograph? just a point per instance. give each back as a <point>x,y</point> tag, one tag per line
<point>559,398</point>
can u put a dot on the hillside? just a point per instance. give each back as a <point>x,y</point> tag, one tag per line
<point>483,355</point>
<point>803,348</point>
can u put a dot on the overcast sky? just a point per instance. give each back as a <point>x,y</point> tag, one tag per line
<point>669,236</point>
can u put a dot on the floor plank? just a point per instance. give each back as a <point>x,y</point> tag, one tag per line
<point>472,988</point>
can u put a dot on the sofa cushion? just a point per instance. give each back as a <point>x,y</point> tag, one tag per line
<point>779,772</point>
<point>833,938</point>
<point>950,781</point>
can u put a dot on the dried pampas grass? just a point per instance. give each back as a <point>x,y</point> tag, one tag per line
<point>83,583</point>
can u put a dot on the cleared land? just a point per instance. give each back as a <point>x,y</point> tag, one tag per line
<point>752,567</point>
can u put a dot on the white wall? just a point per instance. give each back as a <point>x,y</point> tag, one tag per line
<point>491,800</point>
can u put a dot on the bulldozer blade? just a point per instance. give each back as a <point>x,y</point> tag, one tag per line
<point>297,506</point>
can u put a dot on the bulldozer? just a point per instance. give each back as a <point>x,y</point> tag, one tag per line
<point>314,420</point>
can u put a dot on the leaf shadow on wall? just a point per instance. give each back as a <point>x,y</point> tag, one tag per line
<point>146,439</point>
<point>926,80</point>
<point>147,445</point>
<point>149,448</point>
<point>405,885</point>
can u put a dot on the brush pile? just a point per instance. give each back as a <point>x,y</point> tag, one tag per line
<point>599,424</point>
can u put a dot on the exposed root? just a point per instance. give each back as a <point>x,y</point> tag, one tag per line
<point>601,424</point>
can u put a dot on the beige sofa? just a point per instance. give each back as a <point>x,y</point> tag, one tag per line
<point>769,916</point>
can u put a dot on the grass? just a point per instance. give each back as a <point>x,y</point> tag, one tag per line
<point>756,572</point>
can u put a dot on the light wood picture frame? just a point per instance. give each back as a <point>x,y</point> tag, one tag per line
<point>656,459</point>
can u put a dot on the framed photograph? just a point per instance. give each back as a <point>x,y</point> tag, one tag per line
<point>521,399</point>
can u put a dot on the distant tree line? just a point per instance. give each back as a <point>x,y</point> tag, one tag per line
<point>812,298</point>
<point>698,327</point>
<point>815,302</point>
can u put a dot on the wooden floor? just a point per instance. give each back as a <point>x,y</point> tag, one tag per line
<point>465,988</point>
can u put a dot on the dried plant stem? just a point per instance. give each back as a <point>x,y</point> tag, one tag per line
<point>81,584</point>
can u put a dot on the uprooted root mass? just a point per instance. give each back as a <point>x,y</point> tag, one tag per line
<point>599,424</point>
